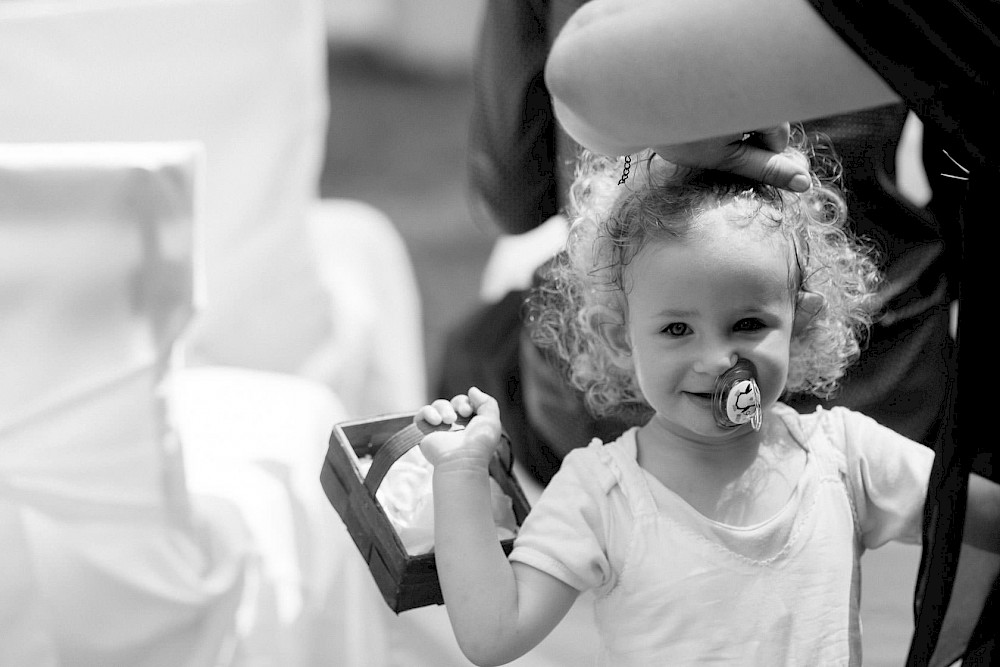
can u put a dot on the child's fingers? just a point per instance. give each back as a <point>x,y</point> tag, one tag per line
<point>438,412</point>
<point>429,415</point>
<point>480,399</point>
<point>462,405</point>
<point>480,437</point>
<point>445,409</point>
<point>485,427</point>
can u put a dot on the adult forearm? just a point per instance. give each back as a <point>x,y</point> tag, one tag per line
<point>982,517</point>
<point>626,75</point>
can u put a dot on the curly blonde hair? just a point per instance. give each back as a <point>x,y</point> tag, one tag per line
<point>611,223</point>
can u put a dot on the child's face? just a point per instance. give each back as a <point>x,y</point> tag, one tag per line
<point>697,305</point>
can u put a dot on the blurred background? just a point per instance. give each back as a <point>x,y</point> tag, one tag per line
<point>400,80</point>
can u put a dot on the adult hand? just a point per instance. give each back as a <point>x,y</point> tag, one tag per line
<point>756,155</point>
<point>476,442</point>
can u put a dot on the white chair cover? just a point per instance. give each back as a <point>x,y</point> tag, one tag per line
<point>96,285</point>
<point>375,362</point>
<point>257,439</point>
<point>246,78</point>
<point>27,638</point>
<point>323,290</point>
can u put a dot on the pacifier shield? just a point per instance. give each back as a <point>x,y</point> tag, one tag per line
<point>736,399</point>
<point>743,402</point>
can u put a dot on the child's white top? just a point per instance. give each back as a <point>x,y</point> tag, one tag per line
<point>674,587</point>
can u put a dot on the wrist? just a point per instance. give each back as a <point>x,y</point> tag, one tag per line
<point>463,461</point>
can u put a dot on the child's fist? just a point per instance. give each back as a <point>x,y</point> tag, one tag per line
<point>476,442</point>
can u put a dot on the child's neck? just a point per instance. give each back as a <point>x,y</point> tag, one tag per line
<point>742,481</point>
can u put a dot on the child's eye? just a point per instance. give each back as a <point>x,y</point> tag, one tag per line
<point>749,324</point>
<point>676,329</point>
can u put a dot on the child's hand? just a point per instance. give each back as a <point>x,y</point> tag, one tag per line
<point>476,442</point>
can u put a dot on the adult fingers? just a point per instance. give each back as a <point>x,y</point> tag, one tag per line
<point>766,166</point>
<point>774,138</point>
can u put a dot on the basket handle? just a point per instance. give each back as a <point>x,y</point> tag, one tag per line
<point>406,439</point>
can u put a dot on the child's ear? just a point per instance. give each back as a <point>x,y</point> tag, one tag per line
<point>613,331</point>
<point>807,306</point>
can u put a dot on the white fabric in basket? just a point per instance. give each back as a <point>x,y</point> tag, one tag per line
<point>407,496</point>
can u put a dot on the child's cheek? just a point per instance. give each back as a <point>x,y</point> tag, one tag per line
<point>773,369</point>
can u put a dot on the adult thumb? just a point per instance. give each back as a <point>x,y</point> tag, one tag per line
<point>766,166</point>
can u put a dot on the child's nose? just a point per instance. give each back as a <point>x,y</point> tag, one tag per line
<point>715,360</point>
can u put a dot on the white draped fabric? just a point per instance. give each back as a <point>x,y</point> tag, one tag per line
<point>247,79</point>
<point>158,169</point>
<point>96,284</point>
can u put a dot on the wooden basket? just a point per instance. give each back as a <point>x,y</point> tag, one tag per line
<point>405,581</point>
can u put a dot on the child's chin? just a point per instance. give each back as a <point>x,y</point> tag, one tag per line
<point>725,433</point>
<point>708,429</point>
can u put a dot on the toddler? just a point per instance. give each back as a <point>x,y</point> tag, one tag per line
<point>723,527</point>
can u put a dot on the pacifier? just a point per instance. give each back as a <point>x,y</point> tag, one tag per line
<point>736,398</point>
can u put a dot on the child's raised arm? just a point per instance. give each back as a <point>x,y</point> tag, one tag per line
<point>497,611</point>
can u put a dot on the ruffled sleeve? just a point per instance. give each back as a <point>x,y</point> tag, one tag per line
<point>565,534</point>
<point>887,475</point>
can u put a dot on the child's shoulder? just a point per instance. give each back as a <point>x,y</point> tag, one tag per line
<point>599,463</point>
<point>821,417</point>
<point>842,428</point>
<point>806,423</point>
